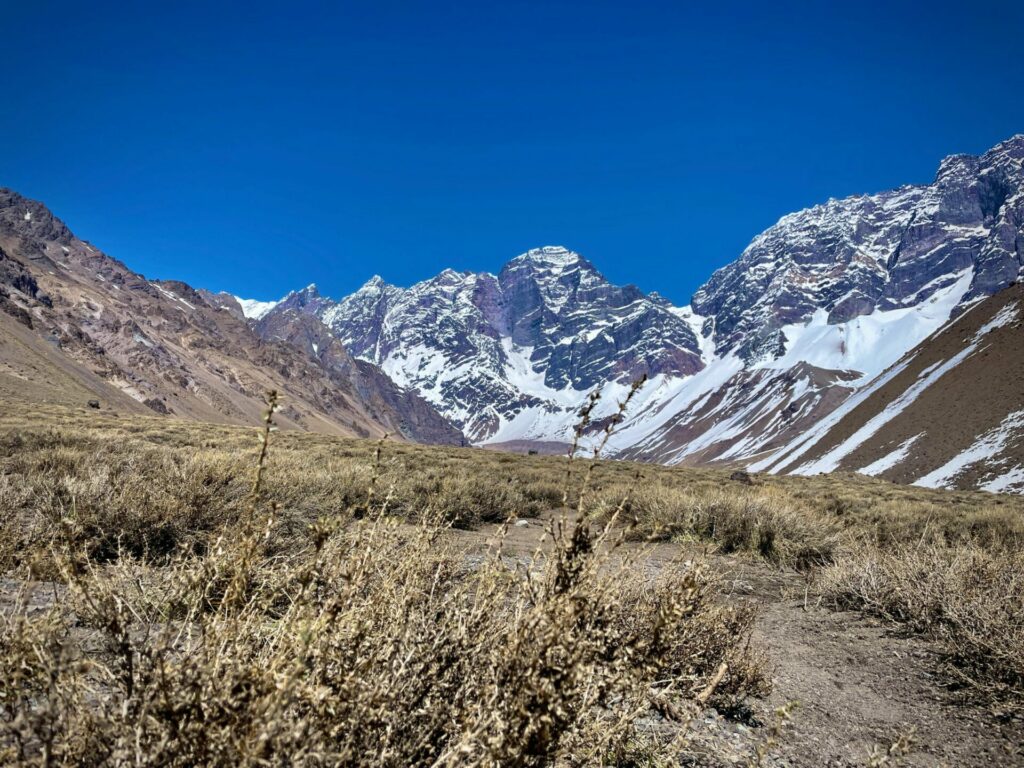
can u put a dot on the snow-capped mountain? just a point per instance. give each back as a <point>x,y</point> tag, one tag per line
<point>254,309</point>
<point>843,337</point>
<point>815,309</point>
<point>510,356</point>
<point>870,253</point>
<point>822,303</point>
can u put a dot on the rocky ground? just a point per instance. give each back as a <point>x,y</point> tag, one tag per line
<point>858,684</point>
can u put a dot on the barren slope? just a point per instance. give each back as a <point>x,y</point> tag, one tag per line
<point>98,326</point>
<point>949,414</point>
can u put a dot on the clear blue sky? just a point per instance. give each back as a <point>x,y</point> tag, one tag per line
<point>261,148</point>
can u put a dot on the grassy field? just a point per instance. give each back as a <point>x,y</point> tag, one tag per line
<point>173,600</point>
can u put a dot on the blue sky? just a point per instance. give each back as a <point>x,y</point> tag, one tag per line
<point>260,148</point>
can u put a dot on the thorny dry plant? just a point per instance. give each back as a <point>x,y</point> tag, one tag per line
<point>373,642</point>
<point>141,499</point>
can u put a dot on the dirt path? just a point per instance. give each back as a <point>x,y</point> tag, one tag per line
<point>858,683</point>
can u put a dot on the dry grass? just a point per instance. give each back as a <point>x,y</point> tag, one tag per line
<point>154,489</point>
<point>196,617</point>
<point>968,598</point>
<point>762,521</point>
<point>195,476</point>
<point>336,624</point>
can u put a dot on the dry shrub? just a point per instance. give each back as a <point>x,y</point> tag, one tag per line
<point>378,645</point>
<point>163,491</point>
<point>545,493</point>
<point>763,521</point>
<point>706,640</point>
<point>369,642</point>
<point>461,498</point>
<point>155,498</point>
<point>112,499</point>
<point>971,600</point>
<point>890,516</point>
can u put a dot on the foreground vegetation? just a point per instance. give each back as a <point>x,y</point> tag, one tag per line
<point>310,609</point>
<point>172,601</point>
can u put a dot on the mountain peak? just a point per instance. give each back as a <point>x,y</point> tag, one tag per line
<point>551,258</point>
<point>549,254</point>
<point>1014,142</point>
<point>956,168</point>
<point>254,309</point>
<point>374,284</point>
<point>448,278</point>
<point>307,297</point>
<point>658,299</point>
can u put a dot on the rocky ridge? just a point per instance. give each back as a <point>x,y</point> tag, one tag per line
<point>81,323</point>
<point>812,311</point>
<point>486,349</point>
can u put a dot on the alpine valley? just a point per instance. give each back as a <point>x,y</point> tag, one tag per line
<point>880,334</point>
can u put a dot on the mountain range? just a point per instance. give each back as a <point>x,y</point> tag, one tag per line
<point>848,336</point>
<point>77,325</point>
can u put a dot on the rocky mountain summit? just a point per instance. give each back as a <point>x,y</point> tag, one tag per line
<point>488,350</point>
<point>869,253</point>
<point>812,311</point>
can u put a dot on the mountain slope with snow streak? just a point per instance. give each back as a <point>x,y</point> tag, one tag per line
<point>815,318</point>
<point>949,414</point>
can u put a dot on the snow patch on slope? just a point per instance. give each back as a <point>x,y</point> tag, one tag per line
<point>985,448</point>
<point>696,323</point>
<point>890,460</point>
<point>254,309</point>
<point>664,398</point>
<point>1011,482</point>
<point>1004,317</point>
<point>785,456</point>
<point>172,296</point>
<point>870,343</point>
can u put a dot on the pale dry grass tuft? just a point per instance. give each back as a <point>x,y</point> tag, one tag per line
<point>969,599</point>
<point>759,520</point>
<point>198,638</point>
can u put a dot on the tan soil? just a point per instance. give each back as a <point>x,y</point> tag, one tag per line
<point>859,683</point>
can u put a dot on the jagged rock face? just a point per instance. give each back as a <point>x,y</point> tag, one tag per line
<point>163,347</point>
<point>401,410</point>
<point>874,252</point>
<point>814,309</point>
<point>223,301</point>
<point>483,348</point>
<point>585,331</point>
<point>435,339</point>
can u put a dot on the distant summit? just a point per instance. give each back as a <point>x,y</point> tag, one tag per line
<point>814,309</point>
<point>491,350</point>
<point>831,342</point>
